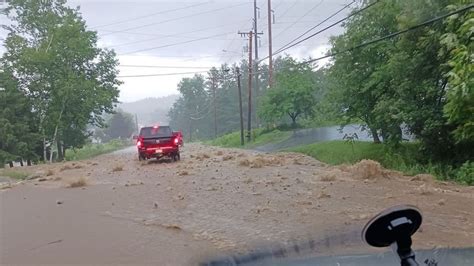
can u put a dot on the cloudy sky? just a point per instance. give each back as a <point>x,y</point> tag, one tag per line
<point>193,35</point>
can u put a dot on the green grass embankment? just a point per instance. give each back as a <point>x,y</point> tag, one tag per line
<point>92,150</point>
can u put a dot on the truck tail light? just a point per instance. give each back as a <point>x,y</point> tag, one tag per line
<point>139,144</point>
<point>176,141</point>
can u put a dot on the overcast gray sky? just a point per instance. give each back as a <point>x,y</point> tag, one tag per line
<point>196,33</point>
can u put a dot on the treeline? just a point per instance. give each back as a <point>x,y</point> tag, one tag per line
<point>54,81</point>
<point>419,82</point>
<point>215,97</point>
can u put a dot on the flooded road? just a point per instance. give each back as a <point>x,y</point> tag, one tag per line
<point>214,201</point>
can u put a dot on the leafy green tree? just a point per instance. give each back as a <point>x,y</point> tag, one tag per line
<point>419,81</point>
<point>294,93</point>
<point>192,107</point>
<point>18,137</point>
<point>55,59</point>
<point>458,44</point>
<point>357,78</point>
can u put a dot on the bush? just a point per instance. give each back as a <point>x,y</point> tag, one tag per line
<point>465,174</point>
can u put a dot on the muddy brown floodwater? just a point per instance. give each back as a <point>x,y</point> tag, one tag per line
<point>114,209</point>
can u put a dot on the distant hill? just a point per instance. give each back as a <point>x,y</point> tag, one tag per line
<point>150,110</point>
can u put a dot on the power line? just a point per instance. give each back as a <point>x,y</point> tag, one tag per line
<point>174,44</point>
<point>317,25</point>
<point>160,36</point>
<point>324,29</point>
<point>300,18</point>
<point>173,19</point>
<point>282,15</point>
<point>162,74</point>
<point>392,34</point>
<point>177,67</point>
<point>146,16</point>
<point>229,45</point>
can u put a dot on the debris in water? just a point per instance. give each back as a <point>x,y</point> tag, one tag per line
<point>227,158</point>
<point>323,195</point>
<point>367,169</point>
<point>183,173</point>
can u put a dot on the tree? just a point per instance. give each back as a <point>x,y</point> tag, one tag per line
<point>357,77</point>
<point>457,43</point>
<point>420,79</point>
<point>68,80</point>
<point>120,125</point>
<point>18,138</point>
<point>193,106</point>
<point>294,93</point>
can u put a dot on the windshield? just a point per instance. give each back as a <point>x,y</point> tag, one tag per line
<point>155,132</point>
<point>265,132</point>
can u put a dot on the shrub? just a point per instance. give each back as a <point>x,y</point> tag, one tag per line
<point>465,174</point>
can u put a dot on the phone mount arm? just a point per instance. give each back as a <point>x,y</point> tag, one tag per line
<point>395,226</point>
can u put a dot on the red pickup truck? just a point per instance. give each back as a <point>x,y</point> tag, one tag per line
<point>158,142</point>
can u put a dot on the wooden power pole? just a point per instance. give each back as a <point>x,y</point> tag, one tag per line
<point>250,63</point>
<point>255,30</point>
<point>237,70</point>
<point>214,88</point>
<point>249,120</point>
<point>270,52</point>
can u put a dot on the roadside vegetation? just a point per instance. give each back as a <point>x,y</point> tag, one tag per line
<point>259,136</point>
<point>94,149</point>
<point>14,174</point>
<point>406,158</point>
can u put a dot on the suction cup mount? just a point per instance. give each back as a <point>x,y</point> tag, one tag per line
<point>395,225</point>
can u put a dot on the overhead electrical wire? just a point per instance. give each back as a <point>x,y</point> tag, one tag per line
<point>149,15</point>
<point>229,45</point>
<point>323,30</point>
<point>174,44</point>
<point>160,36</point>
<point>300,18</point>
<point>367,43</point>
<point>317,25</point>
<point>172,19</point>
<point>154,66</point>
<point>161,74</point>
<point>376,40</point>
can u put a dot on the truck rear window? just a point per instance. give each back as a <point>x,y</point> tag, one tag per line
<point>156,132</point>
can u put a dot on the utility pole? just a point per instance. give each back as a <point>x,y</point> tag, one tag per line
<point>213,80</point>
<point>270,52</point>
<point>255,29</point>
<point>249,120</point>
<point>237,70</point>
